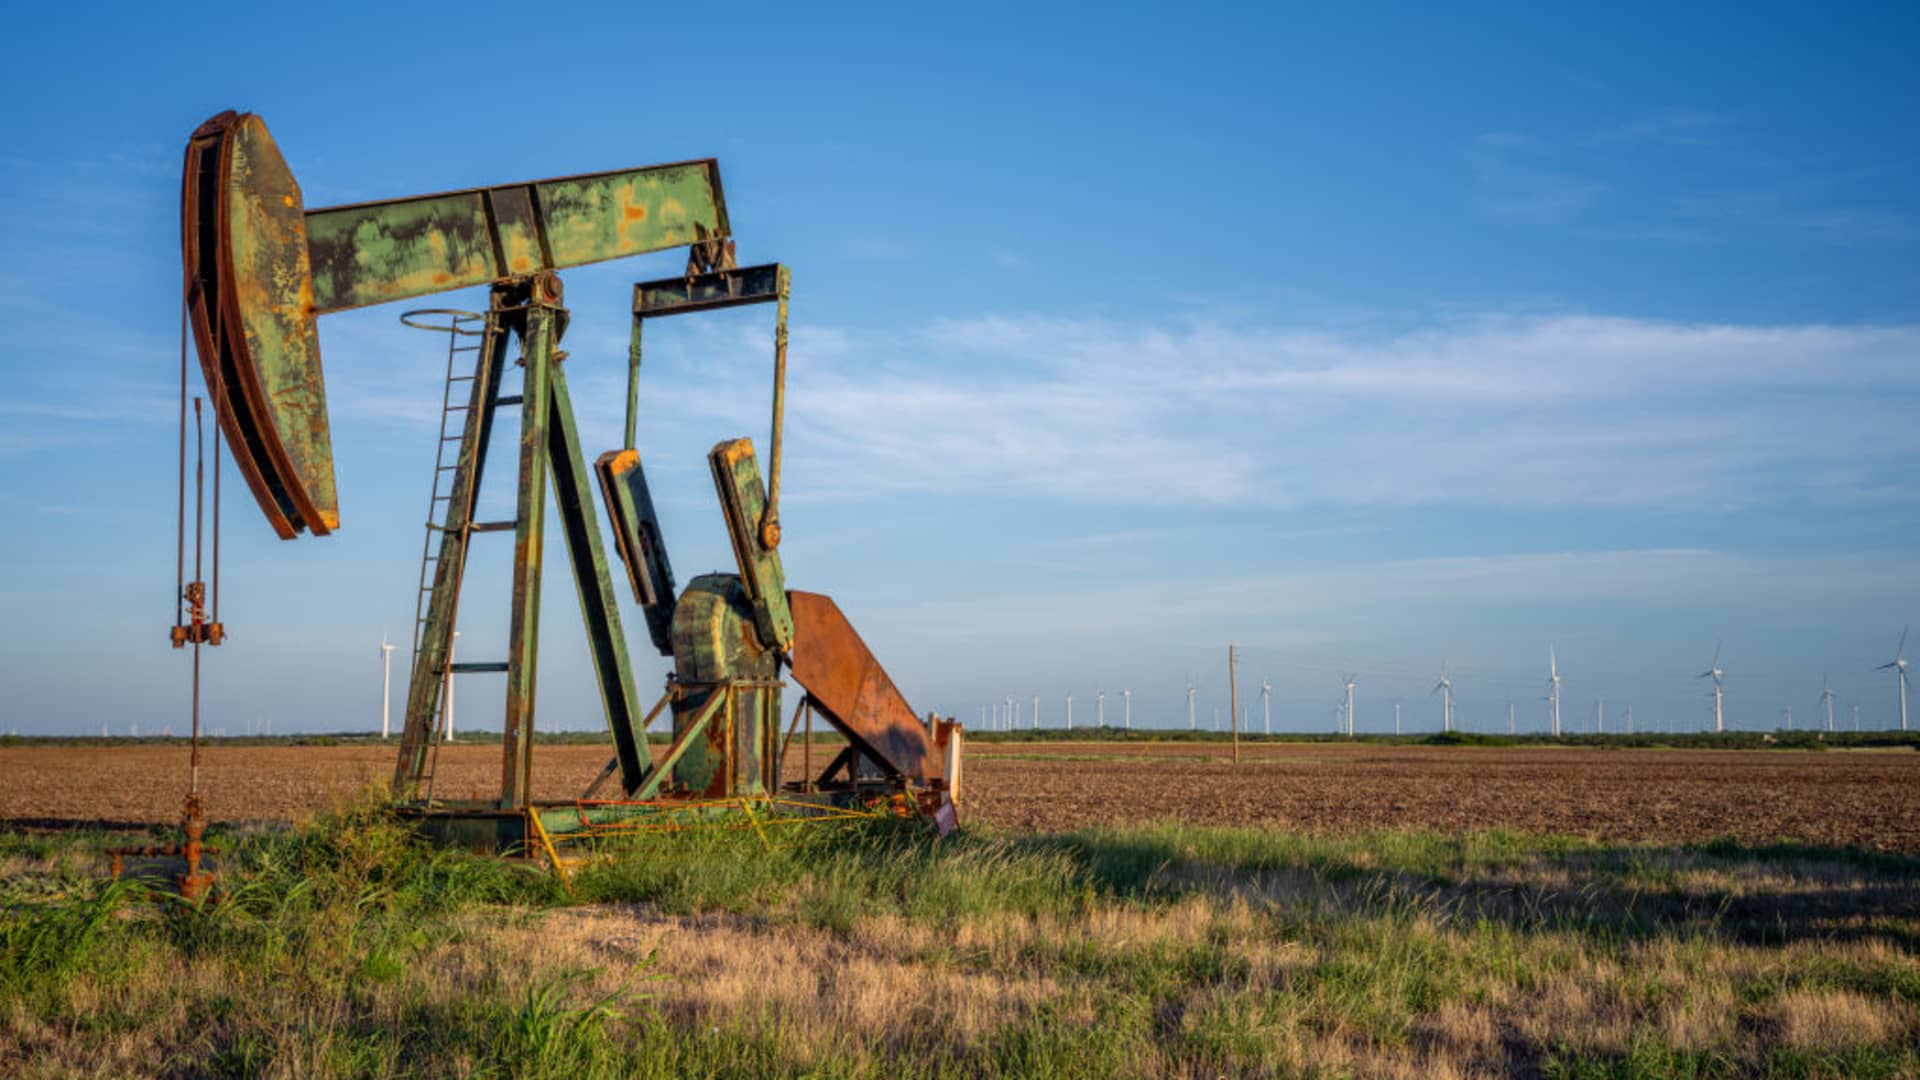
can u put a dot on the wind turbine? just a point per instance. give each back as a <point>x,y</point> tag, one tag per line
<point>1629,718</point>
<point>1126,698</point>
<point>1100,706</point>
<point>1789,713</point>
<point>1190,693</point>
<point>1036,712</point>
<point>1511,729</point>
<point>1069,712</point>
<point>1599,716</point>
<point>1553,689</point>
<point>386,686</point>
<point>1396,716</point>
<point>1899,666</point>
<point>1714,673</point>
<point>448,693</point>
<point>1826,698</point>
<point>1445,688</point>
<point>1266,705</point>
<point>1347,681</point>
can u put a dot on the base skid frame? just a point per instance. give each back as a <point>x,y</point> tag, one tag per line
<point>538,828</point>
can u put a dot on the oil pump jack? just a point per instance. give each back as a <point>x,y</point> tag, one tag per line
<point>260,269</point>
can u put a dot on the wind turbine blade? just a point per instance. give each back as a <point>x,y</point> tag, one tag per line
<point>1716,654</point>
<point>1886,665</point>
<point>1901,649</point>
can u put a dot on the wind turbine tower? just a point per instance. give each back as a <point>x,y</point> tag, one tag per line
<point>1069,712</point>
<point>386,687</point>
<point>1445,688</point>
<point>1036,712</point>
<point>1190,693</point>
<point>1553,690</point>
<point>1266,705</point>
<point>1629,718</point>
<point>1899,666</point>
<point>448,692</point>
<point>1348,683</point>
<point>1714,672</point>
<point>1126,708</point>
<point>1396,716</point>
<point>1100,706</point>
<point>1826,698</point>
<point>1511,729</point>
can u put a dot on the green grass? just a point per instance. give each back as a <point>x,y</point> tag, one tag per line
<point>343,948</point>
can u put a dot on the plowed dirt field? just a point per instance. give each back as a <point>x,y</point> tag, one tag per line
<point>1864,798</point>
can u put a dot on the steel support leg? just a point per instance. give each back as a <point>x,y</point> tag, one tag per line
<point>573,498</point>
<point>523,634</point>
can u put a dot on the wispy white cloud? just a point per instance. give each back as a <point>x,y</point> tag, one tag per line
<point>1347,601</point>
<point>1539,410</point>
<point>1678,176</point>
<point>1673,127</point>
<point>1517,184</point>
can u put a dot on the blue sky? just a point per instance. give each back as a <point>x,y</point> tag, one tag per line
<point>1372,340</point>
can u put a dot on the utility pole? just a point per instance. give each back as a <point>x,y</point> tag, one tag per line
<point>1233,689</point>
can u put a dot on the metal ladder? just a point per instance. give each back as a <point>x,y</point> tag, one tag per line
<point>459,325</point>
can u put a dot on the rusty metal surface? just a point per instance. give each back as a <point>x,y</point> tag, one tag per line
<point>636,536</point>
<point>707,292</point>
<point>371,253</point>
<point>539,337</point>
<point>853,691</point>
<point>250,304</point>
<point>718,654</point>
<point>736,476</point>
<point>599,604</point>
